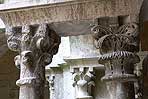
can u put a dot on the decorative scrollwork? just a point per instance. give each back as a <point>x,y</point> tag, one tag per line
<point>37,40</point>
<point>117,47</point>
<point>118,54</point>
<point>36,46</point>
<point>123,39</point>
<point>13,38</point>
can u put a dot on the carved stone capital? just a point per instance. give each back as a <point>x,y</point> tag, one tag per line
<point>83,81</point>
<point>36,46</point>
<point>118,49</point>
<point>109,40</point>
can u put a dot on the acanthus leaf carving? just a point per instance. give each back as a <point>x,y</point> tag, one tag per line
<point>36,46</point>
<point>13,38</point>
<point>123,39</point>
<point>118,54</point>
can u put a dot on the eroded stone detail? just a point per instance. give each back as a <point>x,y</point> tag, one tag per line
<point>118,54</point>
<point>83,81</point>
<point>51,80</point>
<point>36,46</point>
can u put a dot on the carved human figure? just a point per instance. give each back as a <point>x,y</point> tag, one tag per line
<point>36,46</point>
<point>118,54</point>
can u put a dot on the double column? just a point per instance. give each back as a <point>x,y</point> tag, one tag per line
<point>36,46</point>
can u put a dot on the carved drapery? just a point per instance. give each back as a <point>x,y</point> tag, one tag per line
<point>36,46</point>
<point>83,81</point>
<point>118,49</point>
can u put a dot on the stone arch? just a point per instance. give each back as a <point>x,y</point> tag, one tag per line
<point>144,26</point>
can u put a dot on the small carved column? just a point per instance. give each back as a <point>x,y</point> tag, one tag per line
<point>118,54</point>
<point>50,77</point>
<point>51,81</point>
<point>83,81</point>
<point>36,46</point>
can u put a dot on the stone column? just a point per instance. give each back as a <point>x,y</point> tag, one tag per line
<point>51,86</point>
<point>50,77</point>
<point>118,49</point>
<point>36,46</point>
<point>83,81</point>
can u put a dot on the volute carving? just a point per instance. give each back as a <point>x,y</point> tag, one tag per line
<point>110,40</point>
<point>118,49</point>
<point>36,46</point>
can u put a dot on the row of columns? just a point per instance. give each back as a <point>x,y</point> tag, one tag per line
<point>117,46</point>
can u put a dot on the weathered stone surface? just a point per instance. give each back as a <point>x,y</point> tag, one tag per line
<point>83,81</point>
<point>33,1</point>
<point>71,12</point>
<point>118,45</point>
<point>143,25</point>
<point>64,50</point>
<point>77,17</point>
<point>54,76</point>
<point>100,89</point>
<point>36,47</point>
<point>81,46</point>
